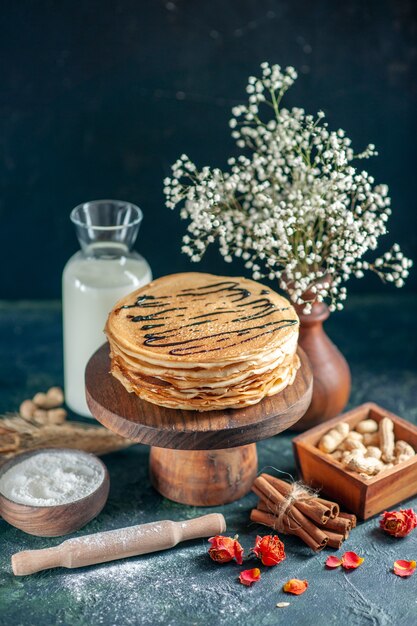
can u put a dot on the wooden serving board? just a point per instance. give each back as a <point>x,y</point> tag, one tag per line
<point>129,416</point>
<point>198,458</point>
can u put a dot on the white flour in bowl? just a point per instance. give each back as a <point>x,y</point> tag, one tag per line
<point>51,478</point>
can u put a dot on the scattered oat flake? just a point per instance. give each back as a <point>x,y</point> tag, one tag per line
<point>404,568</point>
<point>333,561</point>
<point>295,586</point>
<point>282,605</point>
<point>351,560</point>
<point>249,576</point>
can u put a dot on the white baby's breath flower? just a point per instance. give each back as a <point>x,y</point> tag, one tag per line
<point>292,205</point>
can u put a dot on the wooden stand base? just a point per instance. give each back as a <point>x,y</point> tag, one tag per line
<point>203,477</point>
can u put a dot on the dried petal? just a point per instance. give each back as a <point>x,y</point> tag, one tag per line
<point>404,568</point>
<point>333,561</point>
<point>295,586</point>
<point>225,549</point>
<point>249,576</point>
<point>350,560</point>
<point>398,523</point>
<point>269,549</point>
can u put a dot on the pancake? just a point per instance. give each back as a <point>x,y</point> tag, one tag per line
<point>202,342</point>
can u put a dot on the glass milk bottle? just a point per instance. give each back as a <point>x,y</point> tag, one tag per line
<point>102,272</point>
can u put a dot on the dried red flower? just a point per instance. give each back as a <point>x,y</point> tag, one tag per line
<point>249,576</point>
<point>225,549</point>
<point>295,586</point>
<point>333,561</point>
<point>404,568</point>
<point>350,560</point>
<point>269,549</point>
<point>398,523</point>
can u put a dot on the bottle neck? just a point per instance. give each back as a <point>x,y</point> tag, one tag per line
<point>106,250</point>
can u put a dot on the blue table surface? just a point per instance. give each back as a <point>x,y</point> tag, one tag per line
<point>182,585</point>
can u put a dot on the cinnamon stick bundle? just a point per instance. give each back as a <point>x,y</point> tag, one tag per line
<point>315,510</point>
<point>338,525</point>
<point>350,517</point>
<point>291,510</point>
<point>334,507</point>
<point>334,539</point>
<point>267,519</point>
<point>293,517</point>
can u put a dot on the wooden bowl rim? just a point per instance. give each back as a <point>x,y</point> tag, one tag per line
<point>56,507</point>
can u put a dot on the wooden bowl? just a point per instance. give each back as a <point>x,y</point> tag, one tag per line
<point>54,521</point>
<point>364,497</point>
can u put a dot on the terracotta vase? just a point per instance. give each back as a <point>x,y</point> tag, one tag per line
<point>331,374</point>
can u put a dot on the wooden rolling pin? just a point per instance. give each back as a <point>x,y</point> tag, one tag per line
<point>117,544</point>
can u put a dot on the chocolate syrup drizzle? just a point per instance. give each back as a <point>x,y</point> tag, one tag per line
<point>242,304</point>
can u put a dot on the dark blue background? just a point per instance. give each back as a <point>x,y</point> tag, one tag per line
<point>98,98</point>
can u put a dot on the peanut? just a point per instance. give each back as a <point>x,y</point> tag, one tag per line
<point>373,451</point>
<point>400,459</point>
<point>363,465</point>
<point>371,439</point>
<point>403,448</point>
<point>331,440</point>
<point>27,409</point>
<point>367,426</point>
<point>351,454</point>
<point>57,416</point>
<point>353,444</point>
<point>53,398</point>
<point>354,435</point>
<point>403,451</point>
<point>40,417</point>
<point>386,434</point>
<point>337,455</point>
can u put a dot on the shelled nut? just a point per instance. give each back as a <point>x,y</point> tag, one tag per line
<point>386,434</point>
<point>373,451</point>
<point>331,440</point>
<point>351,454</point>
<point>27,409</point>
<point>367,426</point>
<point>353,444</point>
<point>367,465</point>
<point>337,455</point>
<point>354,435</point>
<point>403,451</point>
<point>57,416</point>
<point>369,449</point>
<point>40,417</point>
<point>53,398</point>
<point>43,408</point>
<point>371,439</point>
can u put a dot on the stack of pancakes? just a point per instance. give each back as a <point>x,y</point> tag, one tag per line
<point>203,342</point>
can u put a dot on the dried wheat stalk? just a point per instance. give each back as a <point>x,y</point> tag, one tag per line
<point>19,435</point>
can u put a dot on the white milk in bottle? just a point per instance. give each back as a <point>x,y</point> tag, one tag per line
<point>102,272</point>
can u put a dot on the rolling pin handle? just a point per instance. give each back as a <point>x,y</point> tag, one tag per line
<point>205,526</point>
<point>32,561</point>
